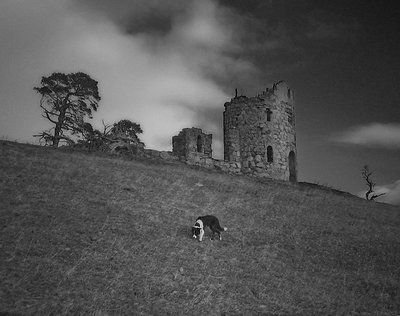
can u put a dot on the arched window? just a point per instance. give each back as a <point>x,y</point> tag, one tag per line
<point>199,144</point>
<point>270,154</point>
<point>269,115</point>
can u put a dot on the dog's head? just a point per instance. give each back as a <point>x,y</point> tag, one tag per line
<point>195,231</point>
<point>198,230</point>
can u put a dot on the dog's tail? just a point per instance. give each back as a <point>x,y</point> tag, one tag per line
<point>222,229</point>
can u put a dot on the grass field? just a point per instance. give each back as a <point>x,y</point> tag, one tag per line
<point>92,234</point>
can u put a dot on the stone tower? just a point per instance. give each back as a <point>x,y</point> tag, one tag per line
<point>192,142</point>
<point>260,133</point>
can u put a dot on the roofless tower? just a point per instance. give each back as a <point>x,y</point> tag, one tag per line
<point>260,133</point>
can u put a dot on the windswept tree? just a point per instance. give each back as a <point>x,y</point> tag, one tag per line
<point>94,139</point>
<point>118,137</point>
<point>366,174</point>
<point>124,135</point>
<point>128,130</point>
<point>66,99</point>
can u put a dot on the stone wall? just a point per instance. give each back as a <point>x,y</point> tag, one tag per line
<point>260,133</point>
<point>201,160</point>
<point>194,147</point>
<point>193,159</point>
<point>158,155</point>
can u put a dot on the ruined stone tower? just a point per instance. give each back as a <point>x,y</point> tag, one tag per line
<point>260,133</point>
<point>192,142</point>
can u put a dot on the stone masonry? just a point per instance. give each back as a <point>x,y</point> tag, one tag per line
<point>260,133</point>
<point>194,147</point>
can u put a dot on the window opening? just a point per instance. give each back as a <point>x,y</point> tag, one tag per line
<point>199,144</point>
<point>269,115</point>
<point>270,154</point>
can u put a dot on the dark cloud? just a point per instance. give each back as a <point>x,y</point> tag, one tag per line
<point>148,17</point>
<point>285,36</point>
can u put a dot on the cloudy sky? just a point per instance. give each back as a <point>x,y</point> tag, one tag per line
<point>172,64</point>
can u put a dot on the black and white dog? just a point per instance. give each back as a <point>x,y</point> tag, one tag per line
<point>204,221</point>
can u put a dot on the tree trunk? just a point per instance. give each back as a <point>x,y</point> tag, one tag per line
<point>56,137</point>
<point>57,129</point>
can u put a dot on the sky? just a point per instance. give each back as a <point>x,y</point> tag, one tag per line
<point>173,64</point>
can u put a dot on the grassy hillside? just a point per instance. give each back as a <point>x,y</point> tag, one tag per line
<point>89,234</point>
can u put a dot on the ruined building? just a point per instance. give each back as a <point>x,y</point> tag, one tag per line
<point>259,137</point>
<point>192,141</point>
<point>260,133</point>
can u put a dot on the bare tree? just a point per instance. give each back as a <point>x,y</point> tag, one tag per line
<point>366,174</point>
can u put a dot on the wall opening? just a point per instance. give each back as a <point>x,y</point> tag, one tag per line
<point>200,147</point>
<point>289,113</point>
<point>292,167</point>
<point>270,154</point>
<point>269,115</point>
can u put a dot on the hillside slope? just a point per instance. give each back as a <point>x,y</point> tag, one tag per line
<point>89,234</point>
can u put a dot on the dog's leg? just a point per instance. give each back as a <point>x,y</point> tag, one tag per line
<point>201,234</point>
<point>212,227</point>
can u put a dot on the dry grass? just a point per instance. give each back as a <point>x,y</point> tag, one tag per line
<point>89,234</point>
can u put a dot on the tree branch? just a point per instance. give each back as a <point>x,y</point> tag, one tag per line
<point>376,195</point>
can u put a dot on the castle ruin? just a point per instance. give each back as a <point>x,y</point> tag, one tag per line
<point>190,141</point>
<point>259,137</point>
